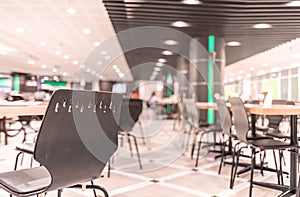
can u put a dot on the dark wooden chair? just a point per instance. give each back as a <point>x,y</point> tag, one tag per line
<point>78,135</point>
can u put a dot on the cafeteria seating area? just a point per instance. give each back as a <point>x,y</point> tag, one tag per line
<point>128,98</point>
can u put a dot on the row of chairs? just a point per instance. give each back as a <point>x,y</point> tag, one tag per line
<point>233,143</point>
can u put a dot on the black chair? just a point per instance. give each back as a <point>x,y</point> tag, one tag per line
<point>241,124</point>
<point>78,135</point>
<point>274,120</point>
<point>130,112</point>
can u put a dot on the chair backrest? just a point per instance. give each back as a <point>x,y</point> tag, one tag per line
<point>240,118</point>
<point>78,135</point>
<point>225,117</point>
<point>130,112</point>
<point>274,120</point>
<point>192,112</point>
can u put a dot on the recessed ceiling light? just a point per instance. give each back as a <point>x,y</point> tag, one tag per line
<point>159,64</point>
<point>115,66</point>
<point>239,78</point>
<point>157,69</point>
<point>265,65</point>
<point>180,24</point>
<point>166,52</point>
<point>162,60</point>
<point>170,42</point>
<point>43,43</point>
<point>86,31</point>
<point>103,52</point>
<point>66,57</point>
<point>107,57</point>
<point>96,44</point>
<point>117,70</point>
<point>191,2</point>
<point>20,30</point>
<point>233,43</point>
<point>88,70</point>
<point>99,63</point>
<point>262,26</point>
<point>44,66</point>
<point>46,78</point>
<point>121,75</point>
<point>31,62</point>
<point>129,16</point>
<point>282,59</point>
<point>58,52</point>
<point>293,3</point>
<point>275,69</point>
<point>248,75</point>
<point>54,70</point>
<point>3,53</point>
<point>93,72</point>
<point>261,72</point>
<point>71,11</point>
<point>252,68</point>
<point>75,62</point>
<point>65,73</point>
<point>241,72</point>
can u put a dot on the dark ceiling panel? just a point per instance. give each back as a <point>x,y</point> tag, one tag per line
<point>230,19</point>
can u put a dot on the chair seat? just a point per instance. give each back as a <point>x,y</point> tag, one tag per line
<point>26,147</point>
<point>257,135</point>
<point>269,144</point>
<point>27,181</point>
<point>280,135</point>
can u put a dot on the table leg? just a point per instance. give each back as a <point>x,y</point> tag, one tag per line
<point>294,152</point>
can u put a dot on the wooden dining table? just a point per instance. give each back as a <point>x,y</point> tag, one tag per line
<point>285,110</point>
<point>15,109</point>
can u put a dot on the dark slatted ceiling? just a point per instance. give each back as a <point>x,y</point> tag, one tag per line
<point>231,19</point>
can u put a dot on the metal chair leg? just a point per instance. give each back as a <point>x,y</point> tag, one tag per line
<point>252,171</point>
<point>137,151</point>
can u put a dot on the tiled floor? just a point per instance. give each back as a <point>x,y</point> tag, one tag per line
<point>162,174</point>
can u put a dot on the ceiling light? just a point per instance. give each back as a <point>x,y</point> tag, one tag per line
<point>248,75</point>
<point>275,69</point>
<point>54,70</point>
<point>159,64</point>
<point>103,52</point>
<point>20,30</point>
<point>191,2</point>
<point>88,70</point>
<point>262,26</point>
<point>86,31</point>
<point>154,73</point>
<point>43,43</point>
<point>82,66</point>
<point>118,70</point>
<point>252,68</point>
<point>107,57</point>
<point>44,66</point>
<point>170,42</point>
<point>265,65</point>
<point>121,75</point>
<point>184,71</point>
<point>65,73</point>
<point>180,24</point>
<point>71,11</point>
<point>3,53</point>
<point>166,52</point>
<point>241,72</point>
<point>99,63</point>
<point>57,52</point>
<point>115,66</point>
<point>66,57</point>
<point>233,43</point>
<point>96,44</point>
<point>282,59</point>
<point>162,60</point>
<point>239,78</point>
<point>261,72</point>
<point>93,72</point>
<point>293,3</point>
<point>75,62</point>
<point>31,62</point>
<point>157,69</point>
<point>46,78</point>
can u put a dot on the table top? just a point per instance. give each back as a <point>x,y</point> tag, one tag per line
<point>258,109</point>
<point>22,109</point>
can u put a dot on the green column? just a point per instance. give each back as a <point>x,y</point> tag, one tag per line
<point>210,98</point>
<point>16,83</point>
